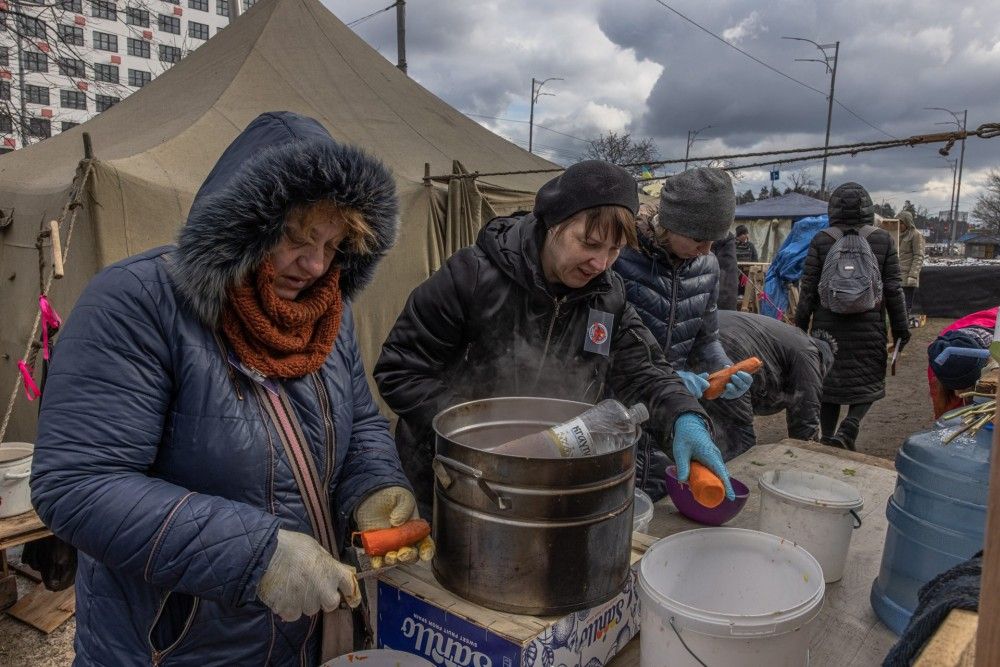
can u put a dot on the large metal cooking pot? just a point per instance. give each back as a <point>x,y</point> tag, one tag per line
<point>535,536</point>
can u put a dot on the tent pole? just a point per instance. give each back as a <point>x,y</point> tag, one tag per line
<point>401,35</point>
<point>88,147</point>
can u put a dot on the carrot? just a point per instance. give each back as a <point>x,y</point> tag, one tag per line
<point>706,487</point>
<point>380,541</point>
<point>717,381</point>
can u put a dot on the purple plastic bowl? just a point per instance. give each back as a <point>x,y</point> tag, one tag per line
<point>680,494</point>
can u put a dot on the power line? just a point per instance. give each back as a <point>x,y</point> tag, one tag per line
<point>368,16</point>
<point>772,68</point>
<point>515,120</point>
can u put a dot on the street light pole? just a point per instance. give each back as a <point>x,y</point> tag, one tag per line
<point>536,92</point>
<point>961,162</point>
<point>692,134</point>
<point>832,71</point>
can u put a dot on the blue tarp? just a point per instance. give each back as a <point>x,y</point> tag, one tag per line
<point>786,267</point>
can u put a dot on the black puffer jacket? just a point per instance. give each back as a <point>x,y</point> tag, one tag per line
<point>858,373</point>
<point>729,272</point>
<point>487,324</point>
<point>677,301</point>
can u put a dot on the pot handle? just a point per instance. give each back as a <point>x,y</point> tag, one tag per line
<point>442,462</point>
<point>856,518</point>
<point>17,475</point>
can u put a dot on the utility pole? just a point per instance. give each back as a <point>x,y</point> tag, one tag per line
<point>832,71</point>
<point>401,35</point>
<point>951,202</point>
<point>961,162</point>
<point>692,134</point>
<point>536,92</point>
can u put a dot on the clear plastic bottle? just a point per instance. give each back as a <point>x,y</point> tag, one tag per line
<point>607,426</point>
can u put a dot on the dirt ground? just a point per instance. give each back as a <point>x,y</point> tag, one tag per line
<point>905,409</point>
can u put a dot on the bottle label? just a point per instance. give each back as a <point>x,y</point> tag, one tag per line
<point>573,438</point>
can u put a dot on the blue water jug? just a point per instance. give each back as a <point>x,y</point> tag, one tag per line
<point>937,516</point>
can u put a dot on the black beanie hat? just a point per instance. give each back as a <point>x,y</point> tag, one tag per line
<point>585,185</point>
<point>959,372</point>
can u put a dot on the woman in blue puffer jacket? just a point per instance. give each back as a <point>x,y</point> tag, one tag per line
<point>673,282</point>
<point>207,438</point>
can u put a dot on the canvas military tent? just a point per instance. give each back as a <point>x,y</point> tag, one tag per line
<point>152,151</point>
<point>770,220</point>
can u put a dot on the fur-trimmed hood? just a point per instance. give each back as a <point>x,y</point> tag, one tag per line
<point>238,216</point>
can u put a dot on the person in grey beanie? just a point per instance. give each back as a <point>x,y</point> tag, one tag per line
<point>672,280</point>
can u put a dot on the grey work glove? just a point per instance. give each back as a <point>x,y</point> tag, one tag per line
<point>303,578</point>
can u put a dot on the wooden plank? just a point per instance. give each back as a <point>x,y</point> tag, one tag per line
<point>988,641</point>
<point>20,529</point>
<point>8,591</point>
<point>954,642</point>
<point>45,610</point>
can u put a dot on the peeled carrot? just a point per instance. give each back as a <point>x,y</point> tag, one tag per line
<point>381,541</point>
<point>717,381</point>
<point>706,487</point>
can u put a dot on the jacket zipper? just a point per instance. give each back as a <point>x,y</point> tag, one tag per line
<point>159,656</point>
<point>673,313</point>
<point>548,337</point>
<point>331,441</point>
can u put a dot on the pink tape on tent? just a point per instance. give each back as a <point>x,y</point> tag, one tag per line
<point>50,319</point>
<point>30,388</point>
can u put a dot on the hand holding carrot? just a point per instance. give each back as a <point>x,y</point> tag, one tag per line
<point>733,381</point>
<point>390,528</point>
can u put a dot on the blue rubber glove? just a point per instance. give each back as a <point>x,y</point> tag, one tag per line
<point>693,441</point>
<point>737,385</point>
<point>695,383</point>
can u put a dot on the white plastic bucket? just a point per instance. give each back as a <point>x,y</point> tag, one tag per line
<point>643,512</point>
<point>15,468</point>
<point>379,657</point>
<point>817,512</point>
<point>729,596</point>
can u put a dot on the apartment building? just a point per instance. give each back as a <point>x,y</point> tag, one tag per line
<point>63,61</point>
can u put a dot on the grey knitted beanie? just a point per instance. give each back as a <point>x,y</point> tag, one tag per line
<point>698,203</point>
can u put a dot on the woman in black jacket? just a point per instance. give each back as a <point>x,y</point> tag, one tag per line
<point>857,378</point>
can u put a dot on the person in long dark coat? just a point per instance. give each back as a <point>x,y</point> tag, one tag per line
<point>857,378</point>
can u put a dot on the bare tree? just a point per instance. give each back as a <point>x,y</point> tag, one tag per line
<point>987,208</point>
<point>621,149</point>
<point>802,181</point>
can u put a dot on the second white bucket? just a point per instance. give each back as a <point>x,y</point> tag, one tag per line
<point>815,511</point>
<point>727,596</point>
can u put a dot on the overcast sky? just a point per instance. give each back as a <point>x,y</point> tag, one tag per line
<point>636,66</point>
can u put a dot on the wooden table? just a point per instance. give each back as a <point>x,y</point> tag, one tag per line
<point>847,633</point>
<point>14,531</point>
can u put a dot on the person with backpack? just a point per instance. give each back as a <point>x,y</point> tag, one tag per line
<point>849,282</point>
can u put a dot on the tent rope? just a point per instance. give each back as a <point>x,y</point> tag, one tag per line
<point>73,203</point>
<point>984,131</point>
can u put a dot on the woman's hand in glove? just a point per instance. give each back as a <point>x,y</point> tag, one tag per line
<point>303,578</point>
<point>693,441</point>
<point>387,508</point>
<point>695,383</point>
<point>738,385</point>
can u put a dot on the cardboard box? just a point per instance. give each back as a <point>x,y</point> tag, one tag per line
<point>416,615</point>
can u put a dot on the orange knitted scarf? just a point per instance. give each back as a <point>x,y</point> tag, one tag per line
<point>278,337</point>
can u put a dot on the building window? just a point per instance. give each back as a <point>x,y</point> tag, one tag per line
<point>36,94</point>
<point>169,54</point>
<point>106,73</point>
<point>73,99</point>
<point>105,102</point>
<point>36,62</point>
<point>72,6</point>
<point>201,5</point>
<point>70,34</point>
<point>4,90</point>
<point>39,127</point>
<point>169,23</point>
<point>6,123</point>
<point>138,78</point>
<point>105,41</point>
<point>5,56</point>
<point>138,47</point>
<point>197,30</point>
<point>222,7</point>
<point>104,9</point>
<point>137,16</point>
<point>66,125</point>
<point>31,27</point>
<point>173,2</point>
<point>72,67</point>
